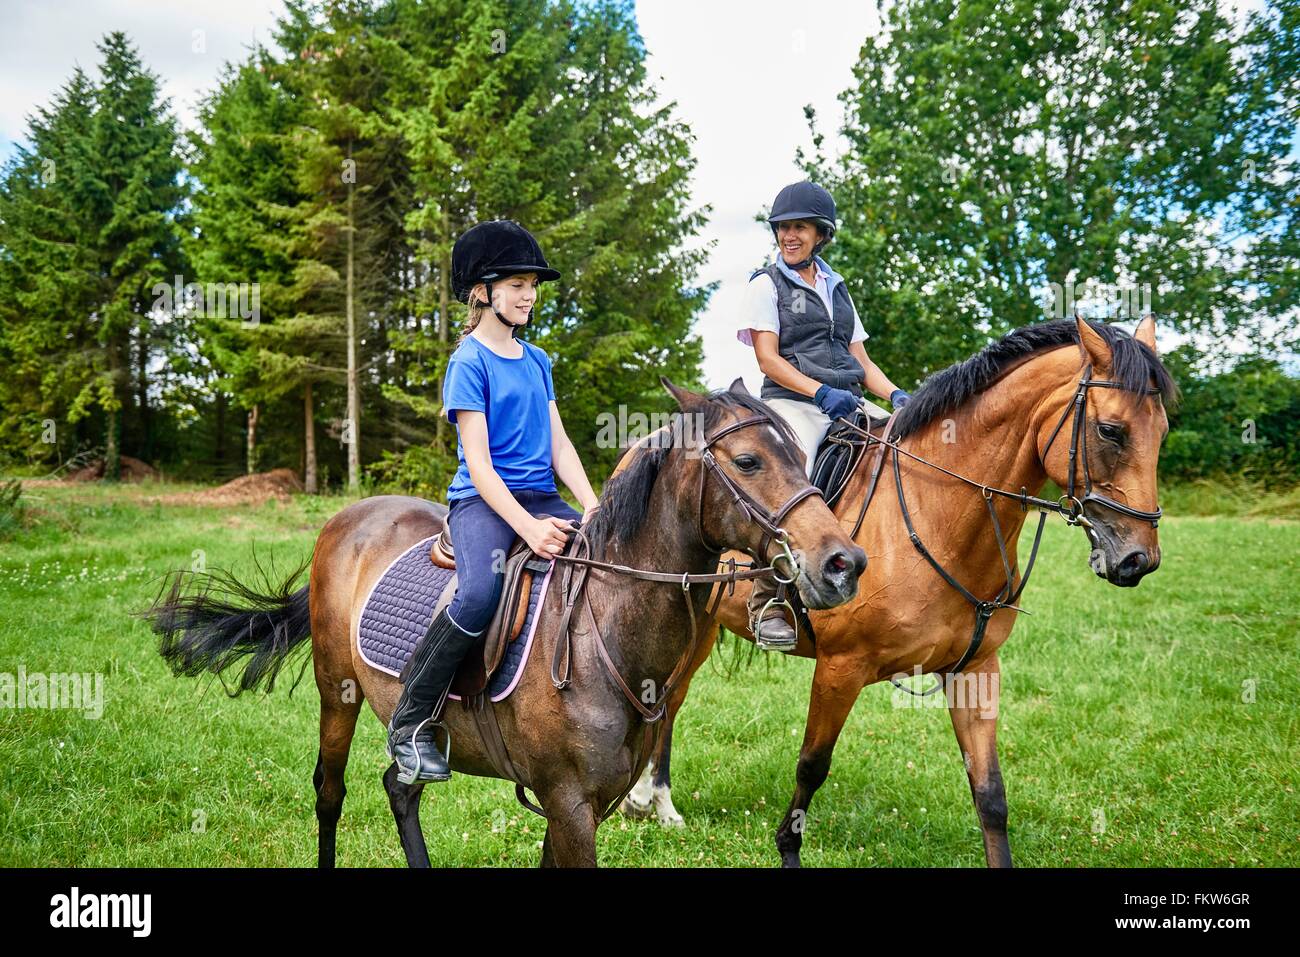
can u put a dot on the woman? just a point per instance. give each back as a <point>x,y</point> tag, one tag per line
<point>511,443</point>
<point>808,339</point>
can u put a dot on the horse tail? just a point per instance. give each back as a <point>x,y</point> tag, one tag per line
<point>209,621</point>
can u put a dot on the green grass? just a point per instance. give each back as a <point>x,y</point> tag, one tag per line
<point>1118,705</point>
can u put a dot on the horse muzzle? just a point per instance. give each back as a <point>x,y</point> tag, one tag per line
<point>834,580</point>
<point>1128,570</point>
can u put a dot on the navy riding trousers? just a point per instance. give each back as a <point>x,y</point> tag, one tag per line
<point>481,539</point>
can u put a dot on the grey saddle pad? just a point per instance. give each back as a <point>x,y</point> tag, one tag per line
<point>397,613</point>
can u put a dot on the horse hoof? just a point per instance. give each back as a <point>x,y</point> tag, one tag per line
<point>672,819</point>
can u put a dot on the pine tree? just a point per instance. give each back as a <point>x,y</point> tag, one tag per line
<point>48,275</point>
<point>91,225</point>
<point>137,195</point>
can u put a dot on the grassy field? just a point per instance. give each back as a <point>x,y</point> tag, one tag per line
<point>1147,727</point>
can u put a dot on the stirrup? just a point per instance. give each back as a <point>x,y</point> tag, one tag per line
<point>770,645</point>
<point>409,776</point>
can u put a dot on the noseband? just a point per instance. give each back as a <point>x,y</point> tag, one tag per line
<point>770,522</point>
<point>1079,449</point>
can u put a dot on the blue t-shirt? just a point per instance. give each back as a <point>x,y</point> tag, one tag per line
<point>514,395</point>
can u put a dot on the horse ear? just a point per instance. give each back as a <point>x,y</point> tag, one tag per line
<point>1092,347</point>
<point>1146,331</point>
<point>687,400</point>
<point>738,387</point>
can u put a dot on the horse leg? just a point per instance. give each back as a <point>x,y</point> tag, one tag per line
<point>975,719</point>
<point>548,850</point>
<point>570,830</point>
<point>654,791</point>
<point>404,799</point>
<point>836,684</point>
<point>338,721</point>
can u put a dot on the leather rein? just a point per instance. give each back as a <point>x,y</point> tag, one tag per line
<point>1068,505</point>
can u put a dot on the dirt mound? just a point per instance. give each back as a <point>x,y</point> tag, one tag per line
<point>133,470</point>
<point>278,484</point>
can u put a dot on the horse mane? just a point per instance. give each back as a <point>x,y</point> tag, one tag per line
<point>625,499</point>
<point>1133,365</point>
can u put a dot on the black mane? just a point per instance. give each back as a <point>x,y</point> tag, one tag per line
<point>1133,365</point>
<point>625,498</point>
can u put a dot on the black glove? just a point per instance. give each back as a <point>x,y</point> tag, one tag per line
<point>898,398</point>
<point>836,403</point>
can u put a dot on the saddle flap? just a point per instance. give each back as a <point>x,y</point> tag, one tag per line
<point>842,449</point>
<point>507,623</point>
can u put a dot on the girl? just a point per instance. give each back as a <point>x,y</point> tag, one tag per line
<point>511,444</point>
<point>808,339</point>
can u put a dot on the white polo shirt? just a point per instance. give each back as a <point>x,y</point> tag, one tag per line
<point>759,312</point>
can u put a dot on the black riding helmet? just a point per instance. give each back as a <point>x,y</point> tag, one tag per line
<point>805,201</point>
<point>494,250</point>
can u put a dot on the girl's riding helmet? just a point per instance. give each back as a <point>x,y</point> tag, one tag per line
<point>494,250</point>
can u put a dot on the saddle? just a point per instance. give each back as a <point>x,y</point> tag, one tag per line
<point>521,565</point>
<point>840,452</point>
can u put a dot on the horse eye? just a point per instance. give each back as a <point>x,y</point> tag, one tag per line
<point>746,463</point>
<point>1111,433</point>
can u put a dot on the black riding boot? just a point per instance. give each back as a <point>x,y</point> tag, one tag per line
<point>775,633</point>
<point>426,680</point>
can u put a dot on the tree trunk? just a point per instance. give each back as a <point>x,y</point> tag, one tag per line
<point>219,452</point>
<point>252,439</point>
<point>112,453</point>
<point>352,428</point>
<point>142,392</point>
<point>309,445</point>
<point>444,305</point>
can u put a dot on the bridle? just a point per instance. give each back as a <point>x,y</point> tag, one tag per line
<point>575,580</point>
<point>1079,449</point>
<point>1069,506</point>
<point>770,522</point>
<point>753,511</point>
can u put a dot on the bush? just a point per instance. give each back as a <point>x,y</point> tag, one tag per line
<point>12,512</point>
<point>1242,422</point>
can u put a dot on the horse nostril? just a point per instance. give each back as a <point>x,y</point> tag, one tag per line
<point>841,563</point>
<point>1134,564</point>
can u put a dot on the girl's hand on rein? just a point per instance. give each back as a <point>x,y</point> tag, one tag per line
<point>548,536</point>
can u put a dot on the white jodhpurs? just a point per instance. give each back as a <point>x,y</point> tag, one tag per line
<point>810,424</point>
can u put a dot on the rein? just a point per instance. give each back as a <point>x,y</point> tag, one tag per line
<point>1068,506</point>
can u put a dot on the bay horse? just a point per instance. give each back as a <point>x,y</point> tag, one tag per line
<point>733,480</point>
<point>997,417</point>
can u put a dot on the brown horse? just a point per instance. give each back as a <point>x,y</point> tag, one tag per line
<point>579,746</point>
<point>1002,418</point>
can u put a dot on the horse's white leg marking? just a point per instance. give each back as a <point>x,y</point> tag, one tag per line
<point>664,810</point>
<point>638,802</point>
